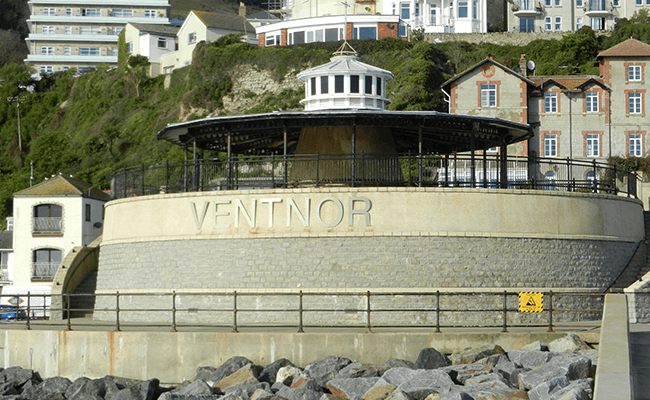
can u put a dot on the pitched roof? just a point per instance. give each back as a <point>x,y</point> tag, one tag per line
<point>479,65</point>
<point>628,48</point>
<point>569,82</point>
<point>6,240</point>
<point>229,22</point>
<point>158,29</point>
<point>64,186</point>
<point>262,15</point>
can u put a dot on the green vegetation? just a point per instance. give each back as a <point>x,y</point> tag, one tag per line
<point>93,124</point>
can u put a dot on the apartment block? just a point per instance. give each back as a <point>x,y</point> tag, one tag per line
<point>80,34</point>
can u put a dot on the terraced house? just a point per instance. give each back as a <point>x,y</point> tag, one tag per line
<point>81,34</point>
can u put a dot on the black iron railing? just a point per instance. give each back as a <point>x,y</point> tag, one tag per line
<point>367,310</point>
<point>373,170</point>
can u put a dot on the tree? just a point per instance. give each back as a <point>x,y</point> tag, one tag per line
<point>138,69</point>
<point>12,48</point>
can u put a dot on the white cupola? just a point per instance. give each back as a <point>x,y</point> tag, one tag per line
<point>345,83</point>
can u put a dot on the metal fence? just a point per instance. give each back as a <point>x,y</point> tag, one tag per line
<point>372,310</point>
<point>372,170</point>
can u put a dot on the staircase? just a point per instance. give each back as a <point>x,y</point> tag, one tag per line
<point>82,301</point>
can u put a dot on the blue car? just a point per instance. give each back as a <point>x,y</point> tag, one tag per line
<point>11,312</point>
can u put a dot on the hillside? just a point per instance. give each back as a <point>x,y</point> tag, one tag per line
<point>91,125</point>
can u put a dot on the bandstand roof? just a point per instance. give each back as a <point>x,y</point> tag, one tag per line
<point>264,133</point>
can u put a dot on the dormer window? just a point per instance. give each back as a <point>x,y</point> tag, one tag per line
<point>47,219</point>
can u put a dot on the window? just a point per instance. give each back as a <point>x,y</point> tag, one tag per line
<point>87,213</point>
<point>324,89</point>
<point>191,38</point>
<point>417,9</point>
<point>634,73</point>
<point>634,103</point>
<point>401,30</point>
<point>46,262</point>
<point>47,50</point>
<point>298,37</point>
<point>547,23</point>
<point>338,83</point>
<point>432,13</point>
<point>558,23</point>
<point>88,51</point>
<point>368,84</point>
<point>83,70</point>
<point>51,11</point>
<point>579,23</point>
<point>550,145</point>
<point>489,95</point>
<point>162,43</point>
<point>579,3</point>
<point>66,51</point>
<point>634,145</point>
<point>354,83</point>
<point>46,69</point>
<point>114,51</point>
<point>312,84</point>
<point>616,3</point>
<point>68,12</point>
<point>364,33</point>
<point>550,102</point>
<point>270,41</point>
<point>47,218</point>
<point>558,3</point>
<point>591,102</point>
<point>331,35</point>
<point>462,9</point>
<point>150,13</point>
<point>68,30</point>
<point>116,30</point>
<point>379,87</point>
<point>129,47</point>
<point>527,25</point>
<point>404,11</point>
<point>393,8</point>
<point>89,30</point>
<point>91,12</point>
<point>47,29</point>
<point>474,10</point>
<point>547,3</point>
<point>639,2</point>
<point>120,13</point>
<point>4,265</point>
<point>597,24</point>
<point>593,145</point>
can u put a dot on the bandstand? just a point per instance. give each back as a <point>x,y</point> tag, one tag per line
<point>347,197</point>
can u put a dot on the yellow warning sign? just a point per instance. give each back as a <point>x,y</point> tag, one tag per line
<point>531,302</point>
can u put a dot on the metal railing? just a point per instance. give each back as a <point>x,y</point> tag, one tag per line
<point>44,270</point>
<point>47,225</point>
<point>371,310</point>
<point>372,170</point>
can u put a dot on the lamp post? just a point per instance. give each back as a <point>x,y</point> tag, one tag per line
<point>17,99</point>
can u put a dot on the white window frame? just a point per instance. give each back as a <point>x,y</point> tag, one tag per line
<point>489,95</point>
<point>557,26</point>
<point>163,41</point>
<point>191,37</point>
<point>150,13</point>
<point>129,47</point>
<point>547,3</point>
<point>67,51</point>
<point>579,23</point>
<point>68,30</point>
<point>635,141</point>
<point>591,102</point>
<point>550,102</point>
<point>405,10</point>
<point>578,3</point>
<point>634,73</point>
<point>558,3</point>
<point>89,51</point>
<point>48,29</point>
<point>616,3</point>
<point>68,12</point>
<point>49,11</point>
<point>593,145</point>
<point>463,5</point>
<point>634,103</point>
<point>548,23</point>
<point>550,145</point>
<point>47,50</point>
<point>46,69</point>
<point>122,13</point>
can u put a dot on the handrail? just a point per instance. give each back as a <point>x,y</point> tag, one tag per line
<point>318,170</point>
<point>372,310</point>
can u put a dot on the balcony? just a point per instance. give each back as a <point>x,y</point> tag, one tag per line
<point>47,226</point>
<point>78,37</point>
<point>597,8</point>
<point>526,9</point>
<point>44,271</point>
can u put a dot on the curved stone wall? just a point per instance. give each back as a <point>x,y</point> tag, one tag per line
<point>365,239</point>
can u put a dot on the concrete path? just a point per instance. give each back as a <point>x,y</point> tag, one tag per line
<point>640,360</point>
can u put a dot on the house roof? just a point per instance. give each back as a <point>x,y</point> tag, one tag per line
<point>263,15</point>
<point>64,186</point>
<point>230,22</point>
<point>568,82</point>
<point>158,29</point>
<point>6,240</point>
<point>479,65</point>
<point>628,48</point>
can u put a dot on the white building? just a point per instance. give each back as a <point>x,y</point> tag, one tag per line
<point>82,34</point>
<point>49,220</point>
<point>151,41</point>
<point>441,16</point>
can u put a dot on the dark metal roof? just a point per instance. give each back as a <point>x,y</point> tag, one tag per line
<point>264,133</point>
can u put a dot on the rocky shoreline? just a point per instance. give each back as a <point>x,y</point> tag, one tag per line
<point>561,370</point>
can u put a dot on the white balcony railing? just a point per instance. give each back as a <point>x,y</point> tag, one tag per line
<point>44,270</point>
<point>47,225</point>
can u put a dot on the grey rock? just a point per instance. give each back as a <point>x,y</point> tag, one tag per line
<point>491,379</point>
<point>536,346</point>
<point>509,371</point>
<point>18,376</point>
<point>469,356</point>
<point>379,391</point>
<point>270,371</point>
<point>574,394</point>
<point>350,388</point>
<point>52,388</point>
<point>529,358</point>
<point>493,360</point>
<point>398,395</point>
<point>396,362</point>
<point>247,391</point>
<point>307,383</point>
<point>425,382</point>
<point>76,386</point>
<point>358,370</point>
<point>246,375</point>
<point>229,367</point>
<point>483,392</point>
<point>544,390</point>
<point>571,343</point>
<point>298,394</point>
<point>145,390</point>
<point>576,390</point>
<point>396,376</point>
<point>459,373</point>
<point>431,359</point>
<point>277,386</point>
<point>197,387</point>
<point>326,369</point>
<point>203,373</point>
<point>261,394</point>
<point>571,367</point>
<point>176,396</point>
<point>286,375</point>
<point>455,394</point>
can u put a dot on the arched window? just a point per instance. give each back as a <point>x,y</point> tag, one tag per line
<point>47,218</point>
<point>45,264</point>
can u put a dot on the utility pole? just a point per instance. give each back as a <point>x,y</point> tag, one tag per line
<point>20,139</point>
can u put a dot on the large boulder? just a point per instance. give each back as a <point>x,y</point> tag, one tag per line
<point>571,367</point>
<point>245,375</point>
<point>351,388</point>
<point>18,377</point>
<point>287,374</point>
<point>397,362</point>
<point>469,356</point>
<point>459,373</point>
<point>529,359</point>
<point>269,373</point>
<point>213,376</point>
<point>571,343</point>
<point>145,390</point>
<point>358,370</point>
<point>50,389</point>
<point>380,391</point>
<point>326,369</point>
<point>544,390</point>
<point>418,384</point>
<point>431,359</point>
<point>298,394</point>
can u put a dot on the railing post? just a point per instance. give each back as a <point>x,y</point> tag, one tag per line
<point>125,179</point>
<point>68,311</point>
<point>317,168</point>
<point>300,326</point>
<point>117,311</point>
<point>285,168</point>
<point>273,171</point>
<point>410,179</point>
<point>234,312</point>
<point>185,175</point>
<point>505,311</point>
<point>550,311</point>
<point>174,311</point>
<point>437,311</point>
<point>594,188</point>
<point>29,311</point>
<point>363,169</point>
<point>568,174</point>
<point>142,171</point>
<point>420,175</point>
<point>166,176</point>
<point>368,311</point>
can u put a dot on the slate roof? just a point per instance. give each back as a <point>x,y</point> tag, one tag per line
<point>6,240</point>
<point>479,65</point>
<point>569,82</point>
<point>629,48</point>
<point>263,15</point>
<point>157,29</point>
<point>341,64</point>
<point>229,22</point>
<point>64,186</point>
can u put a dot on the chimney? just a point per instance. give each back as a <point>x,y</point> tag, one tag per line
<point>522,65</point>
<point>242,10</point>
